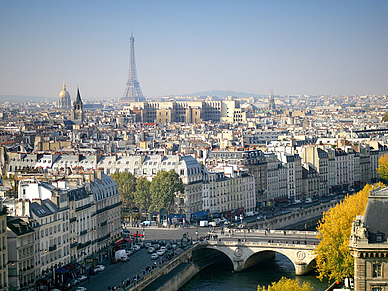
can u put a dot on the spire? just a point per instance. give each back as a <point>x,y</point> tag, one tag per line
<point>78,97</point>
<point>64,85</point>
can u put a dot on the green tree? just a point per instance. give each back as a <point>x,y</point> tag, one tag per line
<point>163,188</point>
<point>285,284</point>
<point>333,258</point>
<point>142,194</point>
<point>127,187</point>
<point>385,117</point>
<point>382,169</point>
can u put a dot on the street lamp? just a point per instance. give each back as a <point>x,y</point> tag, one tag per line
<point>305,230</point>
<point>196,233</point>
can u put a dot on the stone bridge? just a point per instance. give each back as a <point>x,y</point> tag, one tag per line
<point>246,254</point>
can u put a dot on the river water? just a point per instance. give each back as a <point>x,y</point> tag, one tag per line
<point>221,277</point>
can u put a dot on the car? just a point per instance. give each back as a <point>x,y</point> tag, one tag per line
<point>137,234</point>
<point>297,201</point>
<point>81,288</point>
<point>308,200</point>
<point>129,252</point>
<point>157,246</point>
<point>150,250</point>
<point>136,248</point>
<point>82,278</point>
<point>160,252</point>
<point>163,248</point>
<point>154,256</point>
<point>74,282</point>
<point>102,267</point>
<point>147,245</point>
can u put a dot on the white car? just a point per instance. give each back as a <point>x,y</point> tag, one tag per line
<point>160,252</point>
<point>154,256</point>
<point>82,278</point>
<point>81,288</point>
<point>136,247</point>
<point>101,267</point>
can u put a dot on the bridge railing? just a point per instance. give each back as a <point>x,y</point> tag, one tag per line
<point>264,244</point>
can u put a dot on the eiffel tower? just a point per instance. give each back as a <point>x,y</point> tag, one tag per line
<point>132,92</point>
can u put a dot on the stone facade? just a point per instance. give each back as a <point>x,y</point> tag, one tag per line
<point>369,245</point>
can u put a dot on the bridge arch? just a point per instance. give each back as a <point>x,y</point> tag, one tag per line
<point>245,255</point>
<point>207,255</point>
<point>264,254</point>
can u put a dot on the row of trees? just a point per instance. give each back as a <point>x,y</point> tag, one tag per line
<point>146,195</point>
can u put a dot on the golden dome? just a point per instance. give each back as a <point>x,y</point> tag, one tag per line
<point>64,92</point>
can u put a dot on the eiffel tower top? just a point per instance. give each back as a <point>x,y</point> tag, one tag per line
<point>132,92</point>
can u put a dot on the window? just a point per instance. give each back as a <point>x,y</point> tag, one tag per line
<point>377,289</point>
<point>377,270</point>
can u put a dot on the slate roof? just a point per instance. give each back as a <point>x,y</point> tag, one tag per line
<point>376,215</point>
<point>18,226</point>
<point>47,208</point>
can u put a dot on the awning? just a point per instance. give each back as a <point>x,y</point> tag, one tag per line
<point>199,214</point>
<point>62,270</point>
<point>177,216</point>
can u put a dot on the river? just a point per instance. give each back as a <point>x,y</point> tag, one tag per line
<point>220,277</point>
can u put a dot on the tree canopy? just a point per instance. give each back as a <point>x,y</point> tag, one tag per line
<point>163,188</point>
<point>382,169</point>
<point>142,195</point>
<point>126,182</point>
<point>333,258</point>
<point>285,284</point>
<point>385,117</point>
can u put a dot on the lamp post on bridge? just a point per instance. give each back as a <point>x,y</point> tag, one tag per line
<point>305,230</point>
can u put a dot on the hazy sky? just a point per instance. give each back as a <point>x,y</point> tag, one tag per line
<point>295,47</point>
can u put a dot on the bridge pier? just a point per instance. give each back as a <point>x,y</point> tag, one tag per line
<point>238,265</point>
<point>301,269</point>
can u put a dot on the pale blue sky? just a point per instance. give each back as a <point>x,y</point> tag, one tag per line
<point>294,47</point>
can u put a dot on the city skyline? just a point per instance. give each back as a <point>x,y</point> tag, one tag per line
<point>301,47</point>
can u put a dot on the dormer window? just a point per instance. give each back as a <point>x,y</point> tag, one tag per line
<point>379,237</point>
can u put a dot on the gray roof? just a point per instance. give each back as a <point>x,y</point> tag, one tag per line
<point>376,215</point>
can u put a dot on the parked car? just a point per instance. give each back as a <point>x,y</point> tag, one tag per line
<point>154,256</point>
<point>82,278</point>
<point>136,248</point>
<point>150,250</point>
<point>102,267</point>
<point>160,252</point>
<point>81,288</point>
<point>147,245</point>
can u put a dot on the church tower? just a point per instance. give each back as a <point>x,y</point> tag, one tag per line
<point>77,112</point>
<point>64,100</point>
<point>271,102</point>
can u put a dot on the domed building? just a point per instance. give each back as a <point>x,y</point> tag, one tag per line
<point>64,98</point>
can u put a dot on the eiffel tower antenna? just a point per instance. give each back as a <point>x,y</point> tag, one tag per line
<point>132,90</point>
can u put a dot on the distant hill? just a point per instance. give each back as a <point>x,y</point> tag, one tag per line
<point>223,94</point>
<point>18,98</point>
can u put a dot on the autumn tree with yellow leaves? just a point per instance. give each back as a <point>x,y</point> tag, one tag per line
<point>382,169</point>
<point>333,258</point>
<point>285,284</point>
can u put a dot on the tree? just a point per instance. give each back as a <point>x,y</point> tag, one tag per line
<point>163,188</point>
<point>142,195</point>
<point>382,169</point>
<point>333,258</point>
<point>285,284</point>
<point>385,117</point>
<point>126,183</point>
